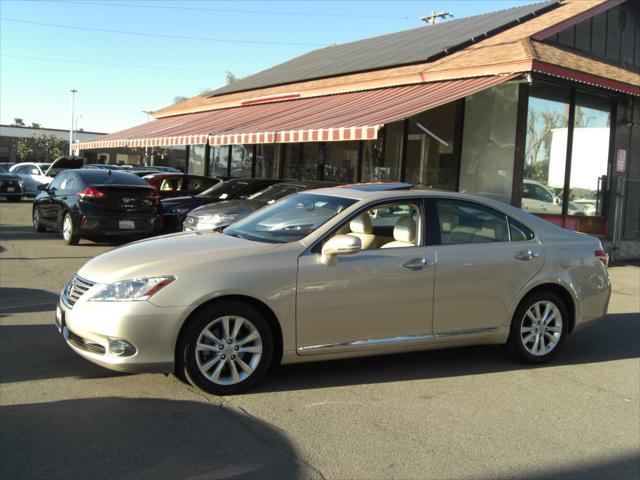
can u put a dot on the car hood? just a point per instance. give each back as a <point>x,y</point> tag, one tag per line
<point>168,254</point>
<point>182,203</point>
<point>65,163</point>
<point>227,206</point>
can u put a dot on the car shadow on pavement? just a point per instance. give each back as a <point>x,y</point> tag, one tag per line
<point>141,438</point>
<point>38,352</point>
<point>615,338</point>
<point>22,232</point>
<point>26,300</point>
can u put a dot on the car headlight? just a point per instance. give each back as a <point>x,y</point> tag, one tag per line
<point>218,218</point>
<point>135,289</point>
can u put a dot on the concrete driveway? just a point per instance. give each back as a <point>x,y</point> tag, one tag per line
<point>462,413</point>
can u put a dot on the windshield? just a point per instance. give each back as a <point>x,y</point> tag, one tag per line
<point>274,192</point>
<point>290,219</point>
<point>224,190</point>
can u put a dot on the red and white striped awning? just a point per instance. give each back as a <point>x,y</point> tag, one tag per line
<point>341,117</point>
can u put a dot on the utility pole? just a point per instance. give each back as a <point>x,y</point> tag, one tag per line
<point>73,114</point>
<point>146,151</point>
<point>432,19</point>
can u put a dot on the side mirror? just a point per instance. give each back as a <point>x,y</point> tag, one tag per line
<point>42,187</point>
<point>339,245</point>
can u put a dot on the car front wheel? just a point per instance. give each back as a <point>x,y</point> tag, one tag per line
<point>226,348</point>
<point>69,231</point>
<point>539,327</point>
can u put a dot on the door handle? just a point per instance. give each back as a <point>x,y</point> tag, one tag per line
<point>418,263</point>
<point>525,255</point>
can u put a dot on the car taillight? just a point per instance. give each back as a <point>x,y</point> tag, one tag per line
<point>90,192</point>
<point>603,257</point>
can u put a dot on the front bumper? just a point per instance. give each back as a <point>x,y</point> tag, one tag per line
<point>93,329</point>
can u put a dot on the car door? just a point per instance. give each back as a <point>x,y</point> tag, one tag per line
<point>479,269</point>
<point>47,202</point>
<point>65,196</point>
<point>380,297</point>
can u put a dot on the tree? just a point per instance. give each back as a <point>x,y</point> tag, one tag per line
<point>35,125</point>
<point>179,99</point>
<point>230,78</point>
<point>40,147</point>
<point>17,122</point>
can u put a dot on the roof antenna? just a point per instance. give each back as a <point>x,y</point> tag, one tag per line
<point>432,19</point>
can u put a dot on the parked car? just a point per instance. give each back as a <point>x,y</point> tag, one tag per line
<point>32,174</point>
<point>175,209</point>
<point>96,204</point>
<point>35,174</point>
<point>106,166</point>
<point>157,168</point>
<point>538,198</point>
<point>11,185</point>
<point>179,184</point>
<point>219,215</point>
<point>220,309</point>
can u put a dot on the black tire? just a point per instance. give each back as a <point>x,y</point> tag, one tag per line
<point>523,326</point>
<point>37,226</point>
<point>71,236</point>
<point>210,318</point>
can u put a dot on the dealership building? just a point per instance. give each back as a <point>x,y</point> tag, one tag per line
<point>536,106</point>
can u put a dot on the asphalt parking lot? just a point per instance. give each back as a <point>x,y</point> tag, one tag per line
<point>462,413</point>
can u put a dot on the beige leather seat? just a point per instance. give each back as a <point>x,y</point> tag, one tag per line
<point>492,231</point>
<point>404,234</point>
<point>362,228</point>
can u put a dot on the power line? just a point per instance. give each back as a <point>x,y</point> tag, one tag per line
<point>160,35</point>
<point>227,10</point>
<point>126,65</point>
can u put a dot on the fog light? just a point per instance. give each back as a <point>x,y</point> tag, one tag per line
<point>121,348</point>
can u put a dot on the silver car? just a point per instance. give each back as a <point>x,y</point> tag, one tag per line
<point>335,273</point>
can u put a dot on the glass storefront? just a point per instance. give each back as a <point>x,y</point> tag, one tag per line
<point>340,161</point>
<point>196,159</point>
<point>430,160</point>
<point>301,161</point>
<point>488,143</point>
<point>241,160</point>
<point>545,149</point>
<point>265,162</point>
<point>589,155</point>
<point>384,166</point>
<point>219,161</point>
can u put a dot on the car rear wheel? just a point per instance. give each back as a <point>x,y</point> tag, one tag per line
<point>226,348</point>
<point>539,327</point>
<point>36,220</point>
<point>68,230</point>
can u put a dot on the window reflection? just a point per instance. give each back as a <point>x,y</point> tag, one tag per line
<point>241,160</point>
<point>265,162</point>
<point>340,161</point>
<point>590,154</point>
<point>196,159</point>
<point>219,162</point>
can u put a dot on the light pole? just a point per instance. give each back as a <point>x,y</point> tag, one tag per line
<point>146,151</point>
<point>73,114</point>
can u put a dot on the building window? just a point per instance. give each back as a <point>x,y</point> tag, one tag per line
<point>488,145</point>
<point>219,161</point>
<point>265,162</point>
<point>430,154</point>
<point>241,160</point>
<point>196,159</point>
<point>340,161</point>
<point>545,149</point>
<point>301,161</point>
<point>589,155</point>
<point>385,167</point>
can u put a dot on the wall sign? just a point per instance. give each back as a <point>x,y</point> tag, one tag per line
<point>621,161</point>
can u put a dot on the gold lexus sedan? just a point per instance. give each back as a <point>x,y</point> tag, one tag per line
<point>336,273</point>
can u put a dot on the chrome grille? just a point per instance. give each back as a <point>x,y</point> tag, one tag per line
<point>76,287</point>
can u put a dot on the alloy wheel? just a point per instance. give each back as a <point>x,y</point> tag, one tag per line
<point>67,228</point>
<point>228,350</point>
<point>541,328</point>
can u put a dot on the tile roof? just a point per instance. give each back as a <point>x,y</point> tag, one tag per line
<point>400,48</point>
<point>506,52</point>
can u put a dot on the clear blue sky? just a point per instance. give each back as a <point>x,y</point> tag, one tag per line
<point>39,63</point>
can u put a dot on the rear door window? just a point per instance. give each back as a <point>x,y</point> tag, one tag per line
<point>468,222</point>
